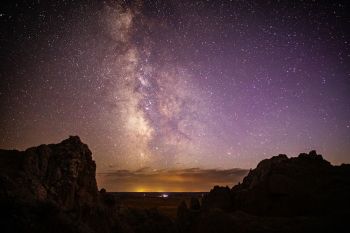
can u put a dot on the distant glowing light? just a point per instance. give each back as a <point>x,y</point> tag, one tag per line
<point>164,195</point>
<point>140,190</point>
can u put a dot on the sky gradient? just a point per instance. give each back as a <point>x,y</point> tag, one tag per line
<point>174,85</point>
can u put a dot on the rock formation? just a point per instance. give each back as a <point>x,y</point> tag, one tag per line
<point>52,188</point>
<point>62,173</point>
<point>305,185</point>
<point>302,194</point>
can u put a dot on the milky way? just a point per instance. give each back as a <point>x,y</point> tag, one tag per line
<point>177,84</point>
<point>157,115</point>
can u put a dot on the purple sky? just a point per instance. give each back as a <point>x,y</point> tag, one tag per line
<point>177,84</point>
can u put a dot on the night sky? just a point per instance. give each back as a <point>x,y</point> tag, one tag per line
<point>180,87</point>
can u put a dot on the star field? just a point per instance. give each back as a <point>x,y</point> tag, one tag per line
<point>177,84</point>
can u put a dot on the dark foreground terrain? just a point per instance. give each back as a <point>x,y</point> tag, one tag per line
<point>52,188</point>
<point>166,203</point>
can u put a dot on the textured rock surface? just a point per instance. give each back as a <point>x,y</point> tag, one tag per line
<point>63,173</point>
<point>52,188</point>
<point>305,185</point>
<point>302,194</point>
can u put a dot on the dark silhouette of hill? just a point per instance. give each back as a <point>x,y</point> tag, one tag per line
<point>62,173</point>
<point>302,194</point>
<point>52,188</point>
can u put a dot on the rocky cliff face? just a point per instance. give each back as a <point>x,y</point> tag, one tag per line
<point>52,188</point>
<point>62,173</point>
<point>305,185</point>
<point>302,194</point>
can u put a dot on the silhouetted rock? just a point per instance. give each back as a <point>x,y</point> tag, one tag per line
<point>51,188</point>
<point>307,193</point>
<point>219,197</point>
<point>62,173</point>
<point>304,185</point>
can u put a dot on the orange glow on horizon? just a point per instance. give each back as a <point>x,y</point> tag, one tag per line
<point>198,180</point>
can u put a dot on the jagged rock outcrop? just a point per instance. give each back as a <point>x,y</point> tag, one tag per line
<point>52,188</point>
<point>305,185</point>
<point>283,186</point>
<point>302,194</point>
<point>219,197</point>
<point>62,173</point>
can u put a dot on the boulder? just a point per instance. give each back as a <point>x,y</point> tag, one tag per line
<point>282,186</point>
<point>63,173</point>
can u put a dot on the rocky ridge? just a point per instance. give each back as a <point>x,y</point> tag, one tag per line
<point>62,173</point>
<point>301,194</point>
<point>52,188</point>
